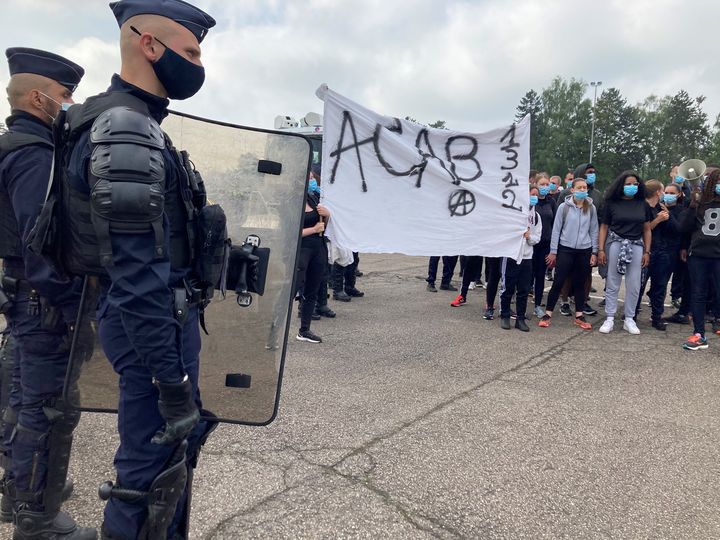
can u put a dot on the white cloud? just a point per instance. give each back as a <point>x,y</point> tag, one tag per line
<point>467,62</point>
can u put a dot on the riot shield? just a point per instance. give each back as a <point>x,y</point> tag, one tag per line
<point>259,177</point>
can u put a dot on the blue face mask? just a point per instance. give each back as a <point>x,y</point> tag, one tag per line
<point>553,185</point>
<point>590,177</point>
<point>669,198</point>
<point>544,190</point>
<point>533,200</point>
<point>580,195</point>
<point>313,186</point>
<point>630,190</point>
<point>679,179</point>
<point>717,189</point>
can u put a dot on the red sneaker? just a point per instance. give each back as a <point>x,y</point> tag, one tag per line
<point>459,301</point>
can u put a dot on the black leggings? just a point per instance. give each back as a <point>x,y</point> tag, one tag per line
<point>312,268</point>
<point>540,251</point>
<point>493,267</point>
<point>471,272</point>
<point>574,263</point>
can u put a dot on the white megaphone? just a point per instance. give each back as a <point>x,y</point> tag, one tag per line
<point>692,170</point>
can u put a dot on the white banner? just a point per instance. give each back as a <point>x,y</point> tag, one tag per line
<point>394,186</point>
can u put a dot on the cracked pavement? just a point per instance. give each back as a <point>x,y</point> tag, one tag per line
<point>417,420</point>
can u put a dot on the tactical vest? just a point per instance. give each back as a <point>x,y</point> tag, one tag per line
<point>65,233</point>
<point>10,241</point>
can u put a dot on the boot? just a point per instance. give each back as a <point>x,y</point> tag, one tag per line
<point>42,526</point>
<point>7,502</point>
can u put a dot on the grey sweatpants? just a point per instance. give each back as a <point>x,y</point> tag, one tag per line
<point>632,280</point>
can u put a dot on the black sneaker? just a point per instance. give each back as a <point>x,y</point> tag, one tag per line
<point>659,324</point>
<point>489,314</point>
<point>593,290</point>
<point>354,293</point>
<point>448,287</point>
<point>587,310</point>
<point>341,296</point>
<point>431,287</point>
<point>716,326</point>
<point>325,312</point>
<point>602,303</point>
<point>358,273</point>
<point>307,335</point>
<point>565,309</point>
<point>521,325</point>
<point>505,323</point>
<point>678,318</point>
<point>676,302</point>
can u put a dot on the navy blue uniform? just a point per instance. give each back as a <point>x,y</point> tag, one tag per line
<point>41,351</point>
<point>141,337</point>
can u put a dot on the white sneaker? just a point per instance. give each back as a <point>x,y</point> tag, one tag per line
<point>471,287</point>
<point>607,326</point>
<point>630,327</point>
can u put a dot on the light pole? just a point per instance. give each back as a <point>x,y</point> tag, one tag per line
<point>595,85</point>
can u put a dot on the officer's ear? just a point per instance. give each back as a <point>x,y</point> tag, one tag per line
<point>150,48</point>
<point>35,98</point>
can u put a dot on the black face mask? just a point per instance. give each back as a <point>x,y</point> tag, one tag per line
<point>180,77</point>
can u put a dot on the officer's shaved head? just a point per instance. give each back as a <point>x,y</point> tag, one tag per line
<point>140,46</point>
<point>37,95</point>
<point>21,85</point>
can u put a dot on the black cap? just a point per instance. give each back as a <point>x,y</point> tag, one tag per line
<point>50,65</point>
<point>192,18</point>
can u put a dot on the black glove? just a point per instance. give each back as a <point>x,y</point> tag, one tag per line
<point>179,410</point>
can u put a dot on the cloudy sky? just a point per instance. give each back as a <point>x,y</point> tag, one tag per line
<point>465,61</point>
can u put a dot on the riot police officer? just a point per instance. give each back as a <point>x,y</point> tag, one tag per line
<point>131,212</point>
<point>44,305</point>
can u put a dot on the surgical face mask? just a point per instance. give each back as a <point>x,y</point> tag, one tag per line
<point>630,190</point>
<point>64,106</point>
<point>590,177</point>
<point>544,190</point>
<point>553,186</point>
<point>180,77</point>
<point>568,183</point>
<point>717,189</point>
<point>669,198</point>
<point>580,195</point>
<point>313,186</point>
<point>679,179</point>
<point>533,200</point>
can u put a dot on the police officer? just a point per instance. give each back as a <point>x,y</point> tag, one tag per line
<point>44,304</point>
<point>135,206</point>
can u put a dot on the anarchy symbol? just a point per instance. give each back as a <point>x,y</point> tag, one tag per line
<point>462,202</point>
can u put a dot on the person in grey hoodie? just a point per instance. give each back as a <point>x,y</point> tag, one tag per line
<point>573,249</point>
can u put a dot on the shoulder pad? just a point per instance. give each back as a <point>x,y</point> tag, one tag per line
<point>125,125</point>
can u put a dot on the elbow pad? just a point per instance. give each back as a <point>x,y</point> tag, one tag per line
<point>127,178</point>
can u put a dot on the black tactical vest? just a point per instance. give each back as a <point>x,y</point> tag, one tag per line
<point>65,233</point>
<point>10,241</point>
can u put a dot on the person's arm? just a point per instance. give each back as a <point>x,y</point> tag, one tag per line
<point>602,237</point>
<point>27,182</point>
<point>557,228</point>
<point>647,241</point>
<point>594,231</point>
<point>315,229</point>
<point>535,230</point>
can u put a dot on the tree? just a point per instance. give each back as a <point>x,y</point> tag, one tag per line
<point>531,104</point>
<point>438,124</point>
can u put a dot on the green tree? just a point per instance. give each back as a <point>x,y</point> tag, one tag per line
<point>438,124</point>
<point>531,104</point>
<point>564,130</point>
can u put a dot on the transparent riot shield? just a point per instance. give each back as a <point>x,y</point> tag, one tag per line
<point>242,358</point>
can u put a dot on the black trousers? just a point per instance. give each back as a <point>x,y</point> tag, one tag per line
<point>516,280</point>
<point>658,273</point>
<point>449,263</point>
<point>540,251</point>
<point>680,278</point>
<point>472,272</point>
<point>311,268</point>
<point>575,265</point>
<point>493,272</point>
<point>343,277</point>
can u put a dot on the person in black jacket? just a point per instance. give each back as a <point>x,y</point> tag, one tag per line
<point>702,220</point>
<point>545,208</point>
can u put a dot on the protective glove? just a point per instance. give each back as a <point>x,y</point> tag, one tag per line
<point>179,410</point>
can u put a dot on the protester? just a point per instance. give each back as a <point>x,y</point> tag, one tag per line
<point>625,242</point>
<point>493,273</point>
<point>573,249</point>
<point>702,221</point>
<point>516,275</point>
<point>545,208</point>
<point>665,236</point>
<point>343,281</point>
<point>449,263</point>
<point>471,273</point>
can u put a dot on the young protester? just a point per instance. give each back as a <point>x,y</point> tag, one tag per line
<point>517,275</point>
<point>625,242</point>
<point>573,249</point>
<point>471,273</point>
<point>545,208</point>
<point>493,273</point>
<point>702,221</point>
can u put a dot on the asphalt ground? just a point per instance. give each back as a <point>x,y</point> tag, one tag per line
<point>417,420</point>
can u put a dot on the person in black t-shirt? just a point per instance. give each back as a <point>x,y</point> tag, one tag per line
<point>625,241</point>
<point>545,208</point>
